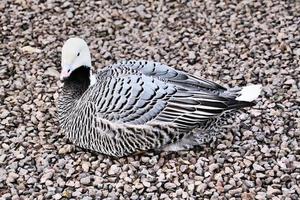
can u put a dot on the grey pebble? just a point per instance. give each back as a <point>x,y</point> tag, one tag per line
<point>32,180</point>
<point>52,72</point>
<point>114,169</point>
<point>258,168</point>
<point>70,14</point>
<point>169,185</point>
<point>11,177</point>
<point>48,175</point>
<point>85,180</point>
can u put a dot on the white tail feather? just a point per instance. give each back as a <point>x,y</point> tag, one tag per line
<point>249,93</point>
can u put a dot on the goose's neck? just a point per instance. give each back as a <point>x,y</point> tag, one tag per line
<point>79,79</point>
<point>73,89</point>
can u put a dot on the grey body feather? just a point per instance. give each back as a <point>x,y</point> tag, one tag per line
<point>139,105</point>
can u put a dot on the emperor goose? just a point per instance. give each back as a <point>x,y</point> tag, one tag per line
<point>135,106</point>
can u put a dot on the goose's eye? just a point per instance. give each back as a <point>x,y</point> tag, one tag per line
<point>78,54</point>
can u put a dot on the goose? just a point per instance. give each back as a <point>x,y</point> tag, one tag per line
<point>137,105</point>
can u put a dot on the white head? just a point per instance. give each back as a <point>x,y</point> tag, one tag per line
<point>75,53</point>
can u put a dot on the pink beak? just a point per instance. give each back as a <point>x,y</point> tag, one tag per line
<point>65,74</point>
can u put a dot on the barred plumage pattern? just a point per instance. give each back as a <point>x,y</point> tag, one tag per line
<point>140,105</point>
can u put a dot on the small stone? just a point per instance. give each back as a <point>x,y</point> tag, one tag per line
<point>297,52</point>
<point>138,185</point>
<point>85,166</point>
<point>260,196</point>
<point>145,159</point>
<point>114,169</point>
<point>192,55</point>
<point>290,82</point>
<point>146,183</point>
<point>19,83</point>
<point>66,149</point>
<point>183,168</point>
<point>249,184</point>
<point>3,174</point>
<point>48,183</point>
<point>85,180</point>
<point>31,180</point>
<point>52,72</point>
<point>247,134</point>
<point>2,158</point>
<point>3,5</point>
<point>164,196</point>
<point>6,196</point>
<point>66,4</point>
<point>57,196</point>
<point>283,46</point>
<point>213,167</point>
<point>151,189</point>
<point>77,193</point>
<point>87,198</point>
<point>70,183</point>
<point>106,55</point>
<point>191,187</point>
<point>207,174</point>
<point>243,116</point>
<point>60,182</point>
<point>4,114</point>
<point>271,191</point>
<point>255,112</point>
<point>30,49</point>
<point>235,191</point>
<point>247,196</point>
<point>285,177</point>
<point>169,185</point>
<point>260,175</point>
<point>67,194</point>
<point>227,187</point>
<point>228,170</point>
<point>258,168</point>
<point>46,176</point>
<point>70,14</point>
<point>128,188</point>
<point>12,176</point>
<point>19,155</point>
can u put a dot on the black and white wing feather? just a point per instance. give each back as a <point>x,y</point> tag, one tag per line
<point>141,92</point>
<point>164,72</point>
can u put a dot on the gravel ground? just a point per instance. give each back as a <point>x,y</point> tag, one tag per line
<point>231,43</point>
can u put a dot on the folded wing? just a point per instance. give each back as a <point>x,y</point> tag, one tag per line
<point>141,93</point>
